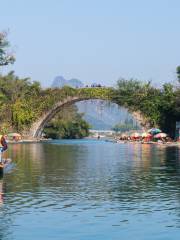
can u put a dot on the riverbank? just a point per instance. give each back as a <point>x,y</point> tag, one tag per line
<point>102,139</point>
<point>29,141</point>
<point>152,143</point>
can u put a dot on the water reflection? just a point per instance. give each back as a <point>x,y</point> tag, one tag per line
<point>1,191</point>
<point>120,182</point>
<point>71,167</point>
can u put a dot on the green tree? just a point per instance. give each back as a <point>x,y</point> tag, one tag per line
<point>159,106</point>
<point>139,96</point>
<point>178,73</point>
<point>68,124</point>
<point>5,57</point>
<point>19,98</point>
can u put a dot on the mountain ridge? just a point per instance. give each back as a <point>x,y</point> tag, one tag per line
<point>60,81</point>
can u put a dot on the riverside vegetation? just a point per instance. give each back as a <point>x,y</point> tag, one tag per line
<point>161,106</point>
<point>23,101</point>
<point>68,124</point>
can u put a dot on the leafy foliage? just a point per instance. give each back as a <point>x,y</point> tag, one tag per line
<point>67,124</point>
<point>159,106</point>
<point>5,57</point>
<point>19,100</point>
<point>178,73</point>
<point>23,102</point>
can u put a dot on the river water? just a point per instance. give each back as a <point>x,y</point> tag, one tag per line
<point>89,189</point>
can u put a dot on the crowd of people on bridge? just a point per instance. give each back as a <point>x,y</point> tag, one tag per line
<point>94,85</point>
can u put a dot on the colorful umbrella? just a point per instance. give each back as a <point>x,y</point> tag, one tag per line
<point>160,135</point>
<point>154,131</point>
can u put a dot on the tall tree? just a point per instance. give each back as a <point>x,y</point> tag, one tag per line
<point>178,73</point>
<point>5,57</point>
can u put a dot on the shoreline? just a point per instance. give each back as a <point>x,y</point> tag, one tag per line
<point>104,139</point>
<point>29,141</point>
<point>150,143</point>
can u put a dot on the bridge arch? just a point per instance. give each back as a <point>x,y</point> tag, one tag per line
<point>38,126</point>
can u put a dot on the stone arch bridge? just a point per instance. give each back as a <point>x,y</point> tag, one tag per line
<point>69,96</point>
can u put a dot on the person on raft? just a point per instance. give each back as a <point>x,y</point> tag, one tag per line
<point>3,147</point>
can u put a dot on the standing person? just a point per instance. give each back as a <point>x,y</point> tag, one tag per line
<point>3,146</point>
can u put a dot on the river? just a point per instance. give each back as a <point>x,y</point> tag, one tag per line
<point>90,189</point>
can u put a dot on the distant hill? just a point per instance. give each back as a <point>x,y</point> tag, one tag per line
<point>102,115</point>
<point>60,82</point>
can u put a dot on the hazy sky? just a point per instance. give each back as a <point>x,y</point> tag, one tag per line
<point>93,40</point>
